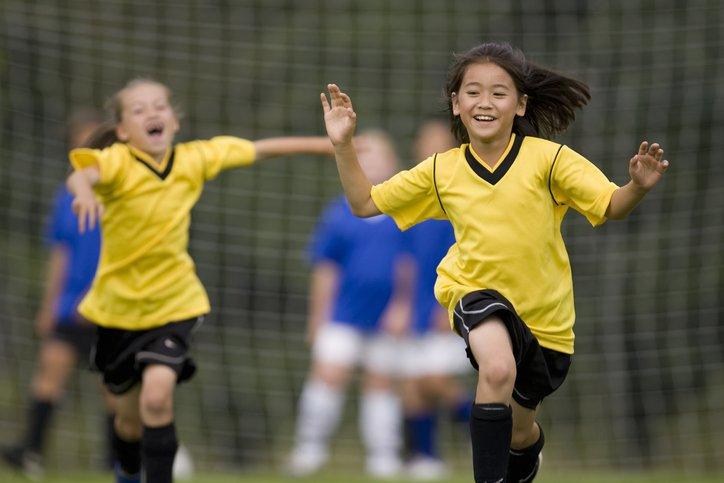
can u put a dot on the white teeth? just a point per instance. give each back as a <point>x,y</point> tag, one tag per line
<point>484,118</point>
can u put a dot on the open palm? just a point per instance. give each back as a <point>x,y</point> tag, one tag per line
<point>646,167</point>
<point>339,116</point>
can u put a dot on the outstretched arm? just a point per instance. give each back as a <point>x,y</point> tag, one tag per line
<point>85,204</point>
<point>272,147</point>
<point>646,169</point>
<point>340,121</point>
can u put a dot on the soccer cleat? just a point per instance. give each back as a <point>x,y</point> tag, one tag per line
<point>24,461</point>
<point>123,477</point>
<point>306,461</point>
<point>531,476</point>
<point>183,465</point>
<point>383,467</point>
<point>425,468</point>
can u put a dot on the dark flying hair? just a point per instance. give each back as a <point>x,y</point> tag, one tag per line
<point>552,97</point>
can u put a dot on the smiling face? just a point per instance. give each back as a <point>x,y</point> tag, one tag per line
<point>487,103</point>
<point>147,120</point>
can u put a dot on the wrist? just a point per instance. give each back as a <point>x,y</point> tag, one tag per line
<point>343,145</point>
<point>638,189</point>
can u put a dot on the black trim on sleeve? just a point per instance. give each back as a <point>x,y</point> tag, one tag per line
<point>550,175</point>
<point>165,172</point>
<point>504,166</point>
<point>434,182</point>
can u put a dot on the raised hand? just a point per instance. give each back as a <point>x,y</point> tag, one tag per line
<point>339,116</point>
<point>646,167</point>
<point>88,210</point>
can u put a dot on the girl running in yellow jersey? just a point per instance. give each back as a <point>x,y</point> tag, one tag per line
<point>506,282</point>
<point>146,298</point>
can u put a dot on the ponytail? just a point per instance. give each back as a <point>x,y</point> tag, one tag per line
<point>552,101</point>
<point>102,137</point>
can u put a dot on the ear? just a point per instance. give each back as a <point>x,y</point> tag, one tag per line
<point>455,104</point>
<point>176,125</point>
<point>522,104</point>
<point>121,133</point>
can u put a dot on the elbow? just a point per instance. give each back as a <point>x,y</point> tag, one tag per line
<point>360,211</point>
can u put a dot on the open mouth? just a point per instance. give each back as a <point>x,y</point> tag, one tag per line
<point>484,118</point>
<point>154,130</point>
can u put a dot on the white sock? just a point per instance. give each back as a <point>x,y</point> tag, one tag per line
<point>381,424</point>
<point>320,409</point>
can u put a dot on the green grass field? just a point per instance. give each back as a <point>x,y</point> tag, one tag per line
<point>568,477</point>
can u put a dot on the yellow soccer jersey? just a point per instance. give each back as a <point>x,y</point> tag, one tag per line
<point>507,224</point>
<point>145,276</point>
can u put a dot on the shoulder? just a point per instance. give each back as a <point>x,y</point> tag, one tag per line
<point>451,155</point>
<point>543,146</point>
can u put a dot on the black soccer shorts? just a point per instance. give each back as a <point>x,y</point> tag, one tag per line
<point>121,355</point>
<point>540,371</point>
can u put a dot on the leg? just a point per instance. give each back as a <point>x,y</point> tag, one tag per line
<point>491,421</point>
<point>109,401</point>
<point>158,442</point>
<point>526,445</point>
<point>320,410</point>
<point>55,362</point>
<point>380,424</point>
<point>420,419</point>
<point>127,434</point>
<point>381,411</point>
<point>334,354</point>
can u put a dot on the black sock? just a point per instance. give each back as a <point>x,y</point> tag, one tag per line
<point>158,449</point>
<point>128,454</point>
<point>491,426</point>
<point>523,463</point>
<point>39,420</point>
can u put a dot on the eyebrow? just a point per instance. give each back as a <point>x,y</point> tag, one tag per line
<point>478,84</point>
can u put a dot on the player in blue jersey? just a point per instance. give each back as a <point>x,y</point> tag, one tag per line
<point>352,284</point>
<point>66,336</point>
<point>433,356</point>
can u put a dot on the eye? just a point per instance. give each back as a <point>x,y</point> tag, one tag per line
<point>499,94</point>
<point>472,93</point>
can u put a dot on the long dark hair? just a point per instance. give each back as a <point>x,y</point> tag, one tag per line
<point>552,97</point>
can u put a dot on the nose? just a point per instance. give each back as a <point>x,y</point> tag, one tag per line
<point>484,102</point>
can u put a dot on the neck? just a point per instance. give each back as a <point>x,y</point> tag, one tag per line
<point>490,151</point>
<point>157,157</point>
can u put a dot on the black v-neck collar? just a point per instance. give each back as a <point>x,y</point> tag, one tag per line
<point>502,168</point>
<point>161,174</point>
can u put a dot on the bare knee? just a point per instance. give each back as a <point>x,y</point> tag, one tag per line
<point>55,363</point>
<point>498,375</point>
<point>333,376</point>
<point>522,437</point>
<point>156,400</point>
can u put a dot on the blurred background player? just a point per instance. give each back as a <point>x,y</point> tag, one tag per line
<point>354,321</point>
<point>66,336</point>
<point>433,355</point>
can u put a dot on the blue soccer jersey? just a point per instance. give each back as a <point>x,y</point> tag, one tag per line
<point>365,251</point>
<point>427,243</point>
<point>83,251</point>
